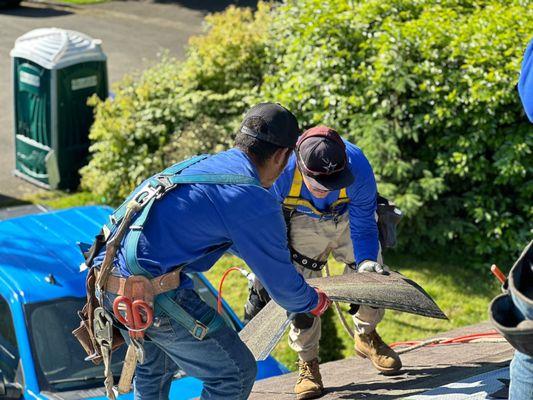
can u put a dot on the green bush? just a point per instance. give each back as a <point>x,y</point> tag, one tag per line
<point>427,89</point>
<point>174,110</point>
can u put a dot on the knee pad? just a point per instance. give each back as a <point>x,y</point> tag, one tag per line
<point>303,321</point>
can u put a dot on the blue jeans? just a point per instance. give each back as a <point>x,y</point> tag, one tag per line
<point>521,377</point>
<point>522,364</point>
<point>221,360</point>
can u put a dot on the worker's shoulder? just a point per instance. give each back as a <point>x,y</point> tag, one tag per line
<point>243,198</point>
<point>356,156</point>
<point>239,197</point>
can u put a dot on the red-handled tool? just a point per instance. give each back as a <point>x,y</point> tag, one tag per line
<point>138,315</point>
<point>498,273</point>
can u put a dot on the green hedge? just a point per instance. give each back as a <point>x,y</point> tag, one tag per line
<point>174,110</point>
<point>426,88</point>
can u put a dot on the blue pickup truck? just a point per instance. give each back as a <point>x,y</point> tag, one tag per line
<point>41,289</point>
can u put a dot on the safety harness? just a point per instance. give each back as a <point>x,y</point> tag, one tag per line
<point>290,206</point>
<point>388,218</point>
<point>294,199</point>
<point>130,218</point>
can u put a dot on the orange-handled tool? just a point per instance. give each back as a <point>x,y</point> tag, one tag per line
<point>138,315</point>
<point>498,273</point>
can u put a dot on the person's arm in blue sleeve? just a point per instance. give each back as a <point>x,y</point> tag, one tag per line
<point>525,83</point>
<point>362,209</point>
<point>261,241</point>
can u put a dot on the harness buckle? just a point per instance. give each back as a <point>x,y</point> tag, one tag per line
<point>200,330</point>
<point>103,327</point>
<point>165,181</point>
<point>147,193</point>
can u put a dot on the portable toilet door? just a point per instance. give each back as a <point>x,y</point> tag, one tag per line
<point>55,71</point>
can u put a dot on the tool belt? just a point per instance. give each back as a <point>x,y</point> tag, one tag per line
<point>160,284</point>
<point>306,262</point>
<point>388,218</point>
<point>503,311</point>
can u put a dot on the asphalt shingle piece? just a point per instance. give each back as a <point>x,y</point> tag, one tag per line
<point>393,291</point>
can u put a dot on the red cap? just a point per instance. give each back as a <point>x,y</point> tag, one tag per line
<point>321,155</point>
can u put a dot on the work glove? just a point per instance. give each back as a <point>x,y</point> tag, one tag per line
<point>323,303</point>
<point>372,266</point>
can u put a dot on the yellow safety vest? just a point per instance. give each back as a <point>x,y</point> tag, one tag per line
<point>294,198</point>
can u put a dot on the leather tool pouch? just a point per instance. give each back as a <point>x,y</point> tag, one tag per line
<point>138,287</point>
<point>388,218</point>
<point>85,332</point>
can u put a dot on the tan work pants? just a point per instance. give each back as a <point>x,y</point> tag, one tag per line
<point>316,239</point>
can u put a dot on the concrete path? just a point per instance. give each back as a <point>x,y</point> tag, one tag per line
<point>133,34</point>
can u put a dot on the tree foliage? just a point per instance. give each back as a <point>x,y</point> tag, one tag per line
<point>176,109</point>
<point>425,87</point>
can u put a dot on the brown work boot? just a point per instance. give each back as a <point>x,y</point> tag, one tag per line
<point>309,384</point>
<point>371,346</point>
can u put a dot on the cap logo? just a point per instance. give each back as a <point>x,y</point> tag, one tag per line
<point>330,167</point>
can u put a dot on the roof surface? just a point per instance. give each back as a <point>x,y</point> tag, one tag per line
<point>423,369</point>
<point>34,246</point>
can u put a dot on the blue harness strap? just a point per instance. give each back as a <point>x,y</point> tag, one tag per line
<point>119,213</point>
<point>144,198</point>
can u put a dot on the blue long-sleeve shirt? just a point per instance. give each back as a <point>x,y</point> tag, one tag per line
<point>361,208</point>
<point>191,220</point>
<point>525,84</point>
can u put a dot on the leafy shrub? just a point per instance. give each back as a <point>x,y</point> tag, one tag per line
<point>174,110</point>
<point>426,89</point>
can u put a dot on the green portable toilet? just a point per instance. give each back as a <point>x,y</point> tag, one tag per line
<point>54,72</point>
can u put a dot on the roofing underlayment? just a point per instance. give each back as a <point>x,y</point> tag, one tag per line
<point>453,372</point>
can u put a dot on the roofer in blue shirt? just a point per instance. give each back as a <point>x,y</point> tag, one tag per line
<point>522,363</point>
<point>189,226</point>
<point>525,83</point>
<point>329,196</point>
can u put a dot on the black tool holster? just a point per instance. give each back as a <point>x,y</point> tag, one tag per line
<point>506,317</point>
<point>388,218</point>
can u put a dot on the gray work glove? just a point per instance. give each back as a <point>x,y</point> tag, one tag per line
<point>372,266</point>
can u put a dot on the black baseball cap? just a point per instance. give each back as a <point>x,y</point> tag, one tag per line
<point>321,156</point>
<point>271,123</point>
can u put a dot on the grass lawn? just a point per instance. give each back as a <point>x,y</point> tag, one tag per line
<point>460,290</point>
<point>57,199</point>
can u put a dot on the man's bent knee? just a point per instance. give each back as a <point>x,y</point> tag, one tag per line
<point>244,380</point>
